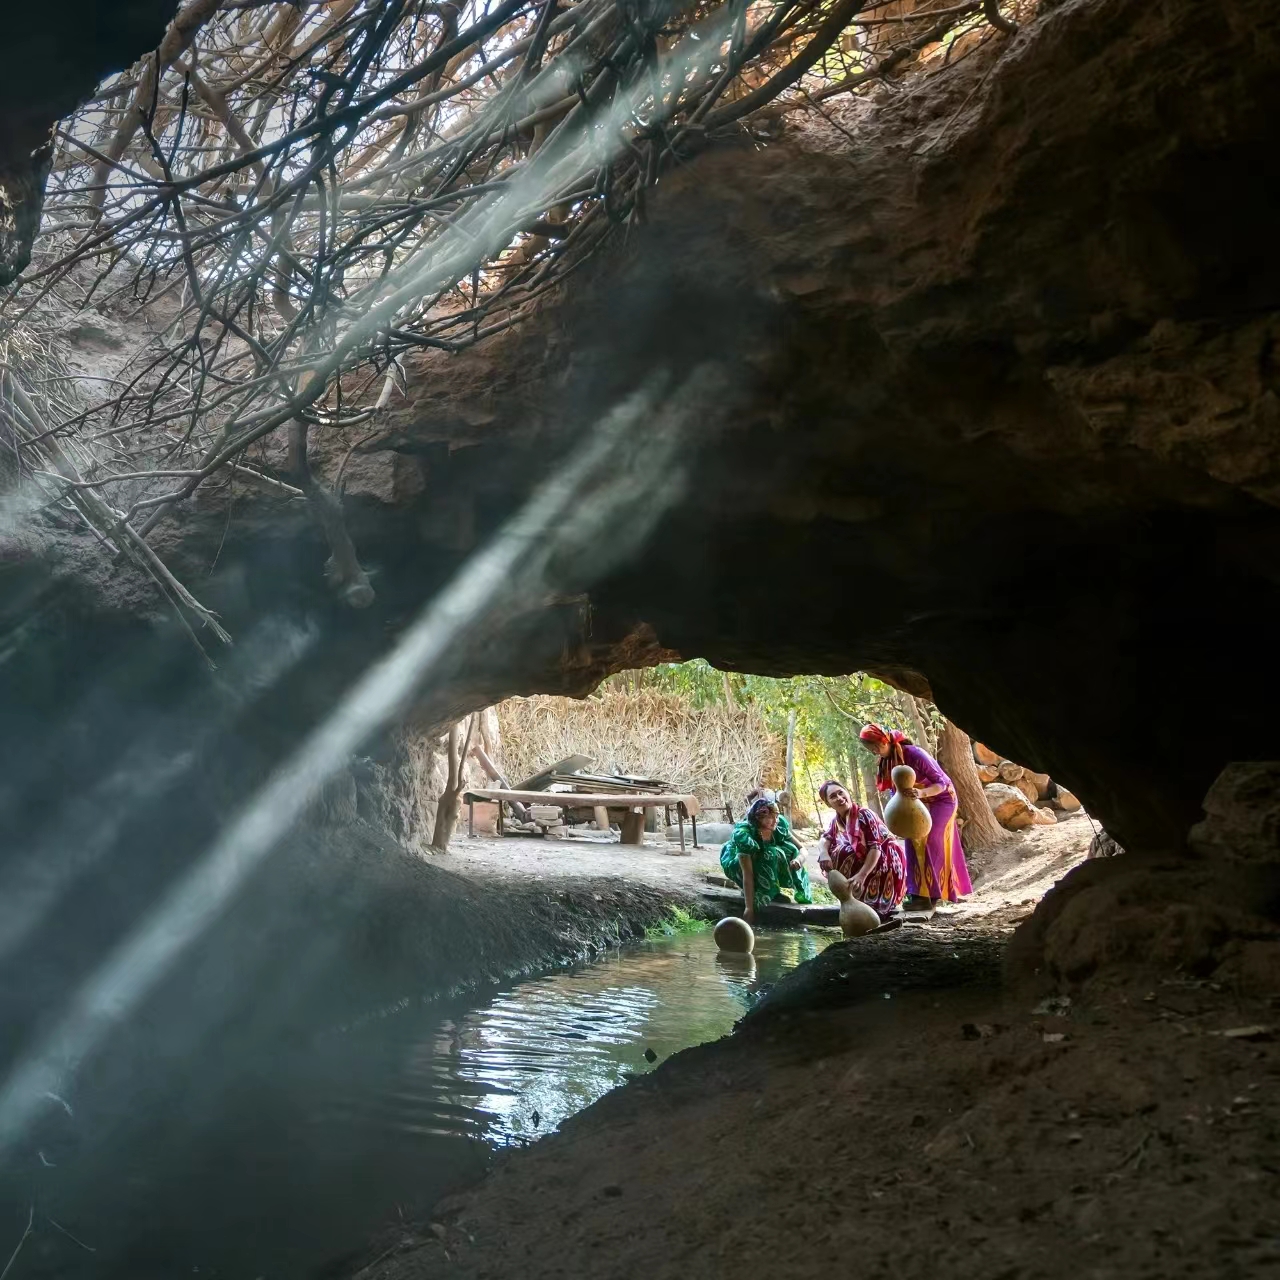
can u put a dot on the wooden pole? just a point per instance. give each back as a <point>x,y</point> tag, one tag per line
<point>633,827</point>
<point>496,775</point>
<point>792,716</point>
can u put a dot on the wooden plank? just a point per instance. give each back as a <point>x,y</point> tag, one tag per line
<point>583,800</point>
<point>540,781</point>
<point>595,782</point>
<point>795,913</point>
<point>790,914</point>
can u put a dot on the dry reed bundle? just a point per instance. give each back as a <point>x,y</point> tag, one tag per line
<point>717,752</point>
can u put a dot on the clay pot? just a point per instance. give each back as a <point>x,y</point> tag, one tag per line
<point>734,934</point>
<point>904,815</point>
<point>856,918</point>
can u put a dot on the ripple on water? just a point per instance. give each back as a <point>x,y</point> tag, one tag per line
<point>520,1064</point>
<point>322,1141</point>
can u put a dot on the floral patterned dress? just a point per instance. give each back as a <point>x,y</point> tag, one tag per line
<point>850,841</point>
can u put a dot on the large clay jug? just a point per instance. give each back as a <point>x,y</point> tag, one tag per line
<point>905,815</point>
<point>734,934</point>
<point>856,918</point>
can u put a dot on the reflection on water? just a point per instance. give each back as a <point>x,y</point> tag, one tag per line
<point>517,1066</point>
<point>324,1140</point>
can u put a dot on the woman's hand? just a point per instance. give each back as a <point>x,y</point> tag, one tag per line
<point>749,914</point>
<point>796,863</point>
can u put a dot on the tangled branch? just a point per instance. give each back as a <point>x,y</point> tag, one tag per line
<point>295,195</point>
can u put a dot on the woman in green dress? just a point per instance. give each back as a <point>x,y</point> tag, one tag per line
<point>763,860</point>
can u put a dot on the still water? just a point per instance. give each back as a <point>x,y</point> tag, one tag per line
<point>327,1140</point>
<point>512,1069</point>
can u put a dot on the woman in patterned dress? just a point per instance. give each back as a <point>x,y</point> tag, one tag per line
<point>859,846</point>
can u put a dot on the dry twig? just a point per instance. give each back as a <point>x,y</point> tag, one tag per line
<point>293,196</point>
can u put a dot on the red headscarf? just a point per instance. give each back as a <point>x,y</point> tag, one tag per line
<point>875,737</point>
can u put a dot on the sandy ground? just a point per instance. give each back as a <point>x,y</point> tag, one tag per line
<point>1019,872</point>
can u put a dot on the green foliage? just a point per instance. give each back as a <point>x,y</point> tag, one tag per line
<point>830,710</point>
<point>677,921</point>
<point>822,896</point>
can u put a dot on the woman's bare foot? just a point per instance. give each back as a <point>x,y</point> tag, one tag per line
<point>918,906</point>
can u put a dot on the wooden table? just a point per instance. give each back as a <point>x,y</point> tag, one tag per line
<point>686,806</point>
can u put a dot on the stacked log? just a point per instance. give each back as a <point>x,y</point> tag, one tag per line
<point>1020,797</point>
<point>1011,808</point>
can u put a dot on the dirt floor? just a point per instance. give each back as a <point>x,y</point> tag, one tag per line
<point>953,1133</point>
<point>894,1108</point>
<point>1019,871</point>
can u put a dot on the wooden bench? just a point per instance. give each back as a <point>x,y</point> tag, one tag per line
<point>633,807</point>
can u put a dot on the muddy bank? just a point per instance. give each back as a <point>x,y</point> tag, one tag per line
<point>953,1132</point>
<point>396,922</point>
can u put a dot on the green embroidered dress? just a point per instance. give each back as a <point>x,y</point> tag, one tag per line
<point>771,862</point>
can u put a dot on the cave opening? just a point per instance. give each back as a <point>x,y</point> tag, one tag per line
<point>365,364</point>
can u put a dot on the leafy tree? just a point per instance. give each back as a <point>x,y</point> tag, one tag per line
<point>830,710</point>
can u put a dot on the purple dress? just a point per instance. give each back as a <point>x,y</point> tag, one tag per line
<point>938,870</point>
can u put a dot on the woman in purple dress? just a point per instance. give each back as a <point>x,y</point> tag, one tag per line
<point>936,872</point>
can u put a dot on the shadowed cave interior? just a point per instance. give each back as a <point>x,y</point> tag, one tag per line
<point>999,371</point>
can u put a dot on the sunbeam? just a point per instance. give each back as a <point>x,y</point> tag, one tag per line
<point>607,494</point>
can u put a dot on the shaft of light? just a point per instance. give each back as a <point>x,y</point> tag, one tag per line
<point>605,470</point>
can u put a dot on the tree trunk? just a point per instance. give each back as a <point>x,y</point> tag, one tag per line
<point>456,750</point>
<point>955,755</point>
<point>857,789</point>
<point>791,760</point>
<point>867,772</point>
<point>915,720</point>
<point>729,699</point>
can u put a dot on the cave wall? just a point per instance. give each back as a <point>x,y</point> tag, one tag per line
<point>999,382</point>
<point>1005,382</point>
<point>996,419</point>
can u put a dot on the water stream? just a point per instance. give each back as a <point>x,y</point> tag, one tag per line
<point>332,1137</point>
